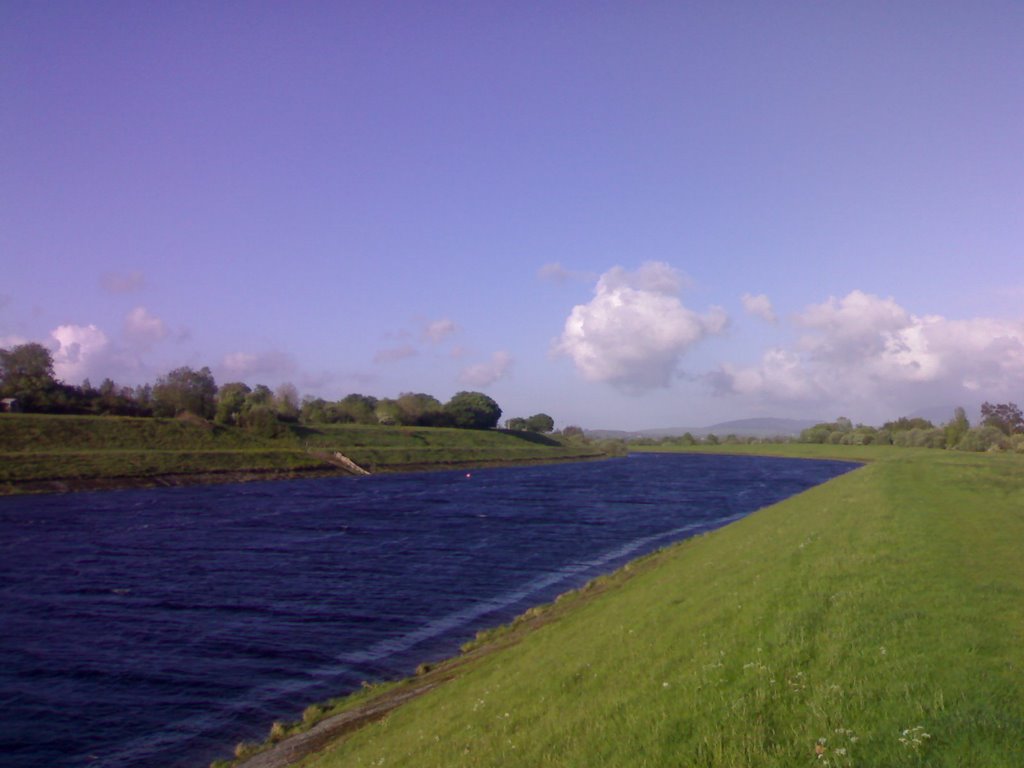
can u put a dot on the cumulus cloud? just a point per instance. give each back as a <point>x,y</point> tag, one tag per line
<point>759,306</point>
<point>79,351</point>
<point>635,330</point>
<point>245,365</point>
<point>394,354</point>
<point>143,329</point>
<point>485,374</point>
<point>869,350</point>
<point>437,331</point>
<point>116,282</point>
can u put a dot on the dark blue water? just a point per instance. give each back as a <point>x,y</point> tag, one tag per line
<point>160,627</point>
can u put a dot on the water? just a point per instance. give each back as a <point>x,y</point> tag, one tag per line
<point>160,627</point>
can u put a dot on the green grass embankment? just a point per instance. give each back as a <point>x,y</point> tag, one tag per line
<point>73,452</point>
<point>876,620</point>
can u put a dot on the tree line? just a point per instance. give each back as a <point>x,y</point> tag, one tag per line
<point>1001,428</point>
<point>27,378</point>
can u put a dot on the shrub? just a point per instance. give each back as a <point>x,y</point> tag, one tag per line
<point>277,731</point>
<point>261,420</point>
<point>983,439</point>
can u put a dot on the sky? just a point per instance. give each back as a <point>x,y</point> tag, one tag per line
<point>625,215</point>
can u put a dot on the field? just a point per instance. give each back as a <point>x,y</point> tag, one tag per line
<point>45,453</point>
<point>876,620</point>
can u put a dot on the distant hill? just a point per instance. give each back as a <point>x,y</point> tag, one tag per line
<point>758,427</point>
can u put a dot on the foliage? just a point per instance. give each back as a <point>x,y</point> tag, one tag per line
<point>357,409</point>
<point>956,428</point>
<point>1006,417</point>
<point>286,402</point>
<point>416,409</point>
<point>472,410</point>
<point>540,422</point>
<point>184,390</point>
<point>26,373</point>
<point>984,438</point>
<point>231,402</point>
<point>315,410</point>
<point>905,423</point>
<point>261,420</point>
<point>920,438</point>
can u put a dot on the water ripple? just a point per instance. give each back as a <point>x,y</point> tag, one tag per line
<point>155,628</point>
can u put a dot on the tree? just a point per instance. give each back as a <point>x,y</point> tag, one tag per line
<point>472,410</point>
<point>540,422</point>
<point>184,390</point>
<point>260,395</point>
<point>387,412</point>
<point>573,432</point>
<point>957,428</point>
<point>26,372</point>
<point>983,438</point>
<point>286,402</point>
<point>416,409</point>
<point>516,424</point>
<point>1006,417</point>
<point>904,424</point>
<point>261,420</point>
<point>315,410</point>
<point>358,409</point>
<point>231,401</point>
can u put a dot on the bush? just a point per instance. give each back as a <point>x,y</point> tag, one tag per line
<point>983,439</point>
<point>261,420</point>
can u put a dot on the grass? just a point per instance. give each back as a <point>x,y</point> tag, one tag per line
<point>39,452</point>
<point>876,620</point>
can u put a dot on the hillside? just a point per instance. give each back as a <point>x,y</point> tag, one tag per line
<point>48,453</point>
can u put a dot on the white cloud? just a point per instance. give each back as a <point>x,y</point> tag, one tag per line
<point>863,350</point>
<point>759,306</point>
<point>485,374</point>
<point>394,354</point>
<point>245,365</point>
<point>79,352</point>
<point>438,330</point>
<point>635,330</point>
<point>142,329</point>
<point>116,282</point>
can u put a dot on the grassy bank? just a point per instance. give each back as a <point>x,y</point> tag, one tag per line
<point>68,452</point>
<point>874,620</point>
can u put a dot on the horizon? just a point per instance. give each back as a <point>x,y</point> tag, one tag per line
<point>618,216</point>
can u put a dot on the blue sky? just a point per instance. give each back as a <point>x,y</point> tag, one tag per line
<point>624,215</point>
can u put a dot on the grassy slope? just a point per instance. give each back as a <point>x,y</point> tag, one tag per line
<point>36,448</point>
<point>849,621</point>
